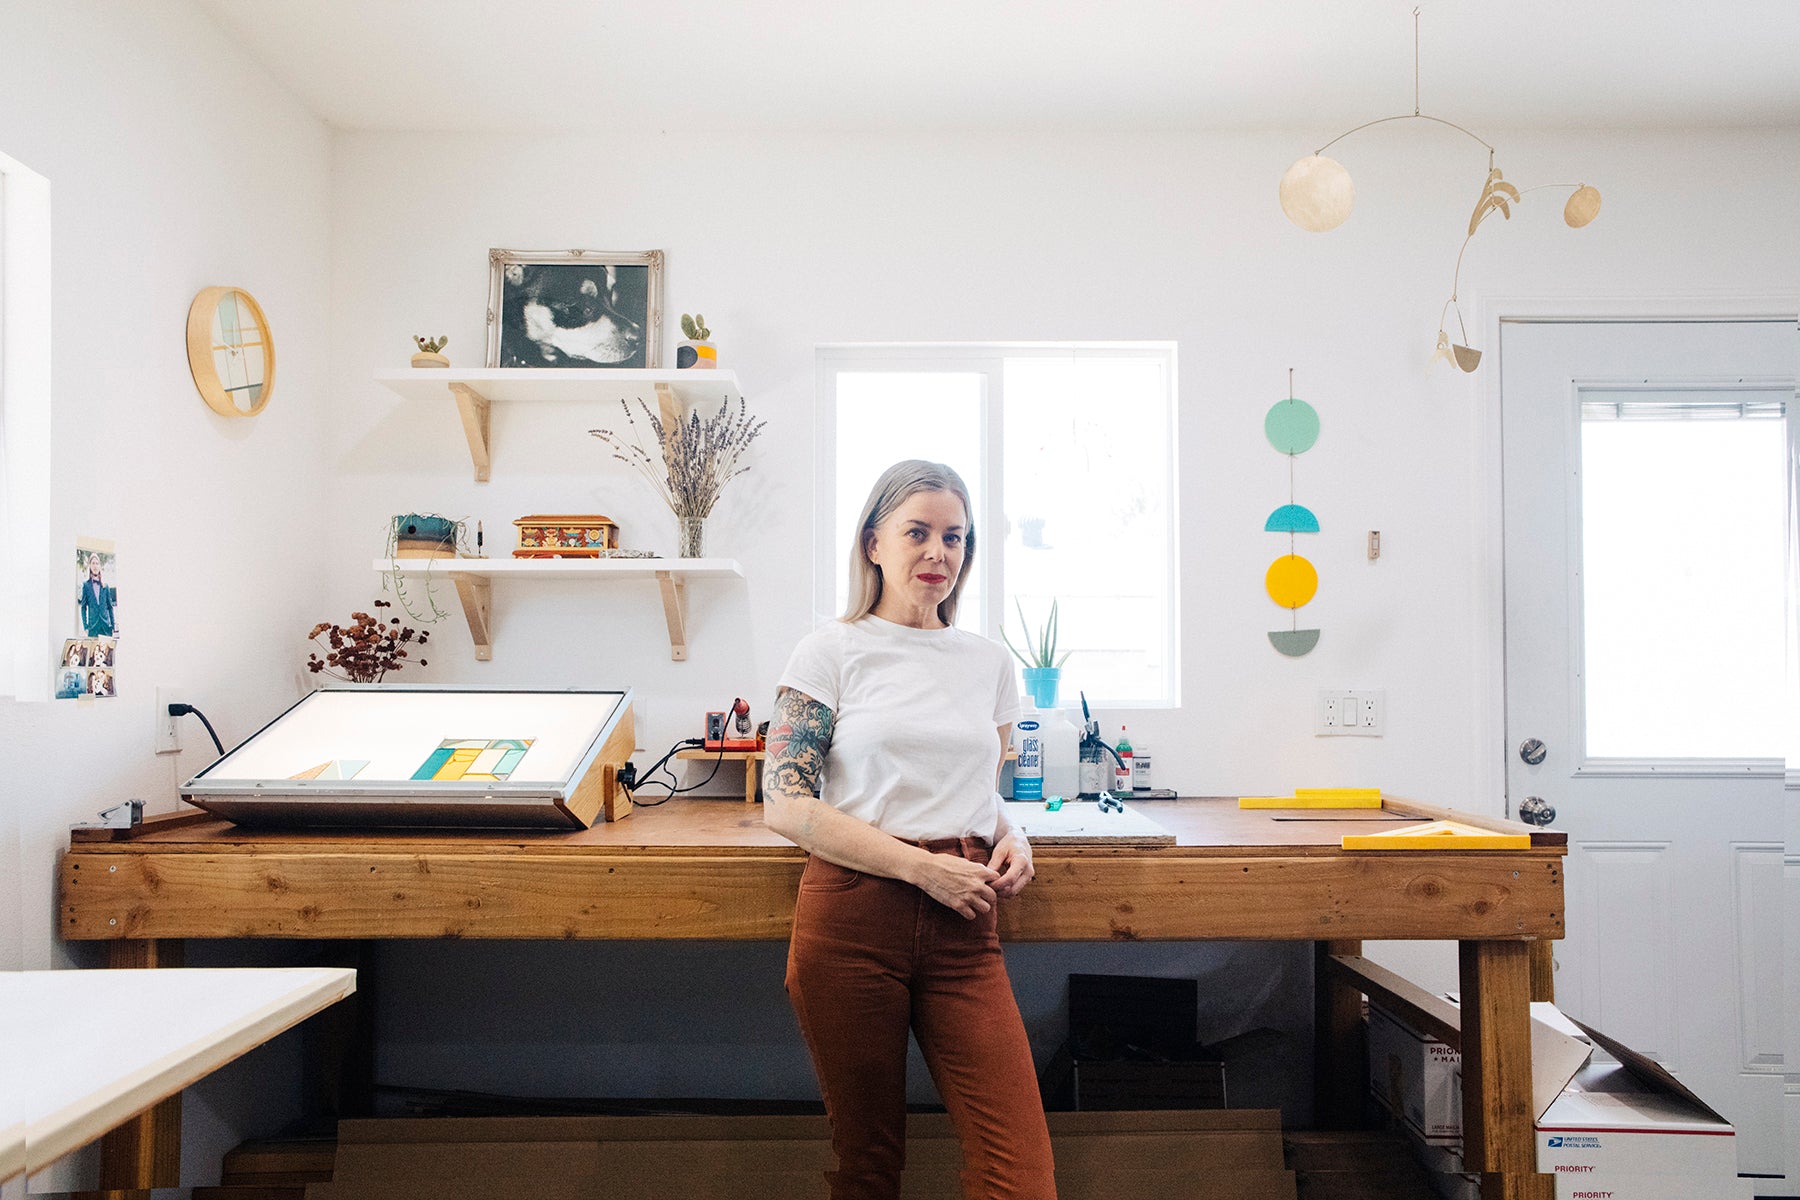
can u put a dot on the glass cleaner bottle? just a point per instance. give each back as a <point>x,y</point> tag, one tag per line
<point>1028,771</point>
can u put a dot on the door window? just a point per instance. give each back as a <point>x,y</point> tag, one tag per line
<point>1682,503</point>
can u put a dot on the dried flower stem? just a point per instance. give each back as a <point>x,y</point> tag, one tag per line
<point>698,456</point>
<point>364,650</point>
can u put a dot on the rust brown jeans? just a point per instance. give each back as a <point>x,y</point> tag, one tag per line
<point>872,958</point>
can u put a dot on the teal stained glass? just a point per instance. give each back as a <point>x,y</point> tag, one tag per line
<point>1292,426</point>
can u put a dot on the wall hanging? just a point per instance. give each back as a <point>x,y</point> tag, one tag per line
<point>1292,426</point>
<point>1317,194</point>
<point>231,353</point>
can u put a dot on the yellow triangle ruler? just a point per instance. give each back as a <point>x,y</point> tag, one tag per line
<point>1438,835</point>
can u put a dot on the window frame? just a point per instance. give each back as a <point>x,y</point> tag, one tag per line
<point>1697,393</point>
<point>987,359</point>
<point>25,431</point>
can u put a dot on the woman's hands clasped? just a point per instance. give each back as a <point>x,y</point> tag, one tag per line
<point>956,883</point>
<point>1012,859</point>
<point>972,889</point>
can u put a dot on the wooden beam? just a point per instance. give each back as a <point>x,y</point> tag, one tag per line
<point>1340,1047</point>
<point>1498,1136</point>
<point>477,595</point>
<point>474,409</point>
<point>359,888</point>
<point>1543,972</point>
<point>1425,1012</point>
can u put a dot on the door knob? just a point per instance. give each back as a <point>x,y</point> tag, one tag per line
<point>1533,810</point>
<point>1532,751</point>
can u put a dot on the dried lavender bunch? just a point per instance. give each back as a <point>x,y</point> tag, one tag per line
<point>364,650</point>
<point>698,456</point>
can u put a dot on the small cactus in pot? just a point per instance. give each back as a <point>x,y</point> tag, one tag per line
<point>697,350</point>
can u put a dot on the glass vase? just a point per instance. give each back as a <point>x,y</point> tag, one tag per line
<point>693,536</point>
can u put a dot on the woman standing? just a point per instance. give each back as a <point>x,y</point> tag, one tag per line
<point>883,755</point>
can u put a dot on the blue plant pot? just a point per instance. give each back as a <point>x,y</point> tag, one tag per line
<point>1041,684</point>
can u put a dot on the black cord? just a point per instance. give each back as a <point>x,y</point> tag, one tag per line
<point>182,710</point>
<point>644,780</point>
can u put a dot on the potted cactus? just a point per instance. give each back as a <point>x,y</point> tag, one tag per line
<point>697,350</point>
<point>430,352</point>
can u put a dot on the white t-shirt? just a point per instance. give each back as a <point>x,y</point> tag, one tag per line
<point>914,750</point>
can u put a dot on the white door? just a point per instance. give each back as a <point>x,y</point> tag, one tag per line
<point>1644,482</point>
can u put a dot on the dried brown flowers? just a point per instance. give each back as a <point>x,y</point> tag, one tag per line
<point>697,458</point>
<point>365,650</point>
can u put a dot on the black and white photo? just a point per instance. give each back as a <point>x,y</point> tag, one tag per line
<point>574,308</point>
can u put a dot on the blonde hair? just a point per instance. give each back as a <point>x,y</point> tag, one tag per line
<point>898,484</point>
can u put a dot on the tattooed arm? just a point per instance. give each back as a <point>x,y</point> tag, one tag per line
<point>799,736</point>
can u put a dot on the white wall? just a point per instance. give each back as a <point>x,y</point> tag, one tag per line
<point>174,164</point>
<point>788,242</point>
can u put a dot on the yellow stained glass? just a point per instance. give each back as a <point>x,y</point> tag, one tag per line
<point>1291,581</point>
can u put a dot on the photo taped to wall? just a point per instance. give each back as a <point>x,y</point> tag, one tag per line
<point>97,595</point>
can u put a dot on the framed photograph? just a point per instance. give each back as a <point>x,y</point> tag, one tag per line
<point>574,308</point>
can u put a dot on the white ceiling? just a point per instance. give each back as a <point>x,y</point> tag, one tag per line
<point>680,65</point>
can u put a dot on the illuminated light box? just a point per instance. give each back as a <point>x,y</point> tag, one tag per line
<point>444,757</point>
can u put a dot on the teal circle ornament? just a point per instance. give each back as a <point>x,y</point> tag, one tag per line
<point>1292,426</point>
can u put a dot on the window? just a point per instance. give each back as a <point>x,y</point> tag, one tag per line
<point>1683,498</point>
<point>1069,454</point>
<point>24,432</point>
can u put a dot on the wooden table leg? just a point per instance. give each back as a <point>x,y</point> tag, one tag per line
<point>1498,1136</point>
<point>144,1152</point>
<point>1543,972</point>
<point>1340,1050</point>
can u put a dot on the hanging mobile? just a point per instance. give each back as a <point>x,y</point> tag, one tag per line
<point>1292,426</point>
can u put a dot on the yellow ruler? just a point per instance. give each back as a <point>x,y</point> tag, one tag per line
<point>1317,798</point>
<point>1438,835</point>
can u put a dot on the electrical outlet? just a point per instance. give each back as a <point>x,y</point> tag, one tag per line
<point>168,729</point>
<point>1367,715</point>
<point>1330,716</point>
<point>1344,713</point>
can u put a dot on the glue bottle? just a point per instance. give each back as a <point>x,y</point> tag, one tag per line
<point>1028,771</point>
<point>1122,784</point>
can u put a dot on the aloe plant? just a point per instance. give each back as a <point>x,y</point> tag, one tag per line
<point>1042,644</point>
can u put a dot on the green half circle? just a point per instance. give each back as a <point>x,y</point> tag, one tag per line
<point>1292,518</point>
<point>1294,642</point>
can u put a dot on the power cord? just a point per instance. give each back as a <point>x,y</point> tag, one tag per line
<point>183,710</point>
<point>636,781</point>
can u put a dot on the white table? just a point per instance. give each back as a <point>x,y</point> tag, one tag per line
<point>83,1051</point>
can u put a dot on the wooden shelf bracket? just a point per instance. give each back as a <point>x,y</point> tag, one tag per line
<point>674,598</point>
<point>477,596</point>
<point>474,408</point>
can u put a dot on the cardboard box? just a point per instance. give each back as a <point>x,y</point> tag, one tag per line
<point>1624,1130</point>
<point>1633,1117</point>
<point>1419,1079</point>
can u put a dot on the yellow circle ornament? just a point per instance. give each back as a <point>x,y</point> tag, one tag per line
<point>1291,581</point>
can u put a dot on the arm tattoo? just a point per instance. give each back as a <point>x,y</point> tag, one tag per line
<point>799,736</point>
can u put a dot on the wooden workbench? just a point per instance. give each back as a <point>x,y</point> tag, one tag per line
<point>709,869</point>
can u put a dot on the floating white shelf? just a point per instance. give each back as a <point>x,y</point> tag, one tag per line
<point>474,577</point>
<point>476,389</point>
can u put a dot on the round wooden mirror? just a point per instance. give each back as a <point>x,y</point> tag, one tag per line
<point>230,351</point>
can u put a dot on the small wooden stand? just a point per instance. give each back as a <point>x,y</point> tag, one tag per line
<point>750,758</point>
